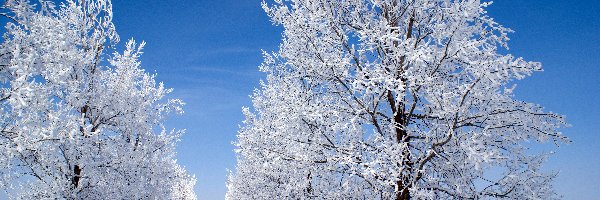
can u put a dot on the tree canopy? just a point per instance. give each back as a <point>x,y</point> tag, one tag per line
<point>77,122</point>
<point>391,99</point>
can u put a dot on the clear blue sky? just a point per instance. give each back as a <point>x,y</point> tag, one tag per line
<point>209,52</point>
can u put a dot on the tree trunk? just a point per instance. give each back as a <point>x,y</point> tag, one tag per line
<point>76,176</point>
<point>404,194</point>
<point>401,122</point>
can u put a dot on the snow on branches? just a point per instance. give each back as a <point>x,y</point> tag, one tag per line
<point>76,122</point>
<point>391,99</point>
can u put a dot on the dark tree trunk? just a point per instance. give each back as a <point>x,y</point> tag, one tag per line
<point>76,176</point>
<point>401,121</point>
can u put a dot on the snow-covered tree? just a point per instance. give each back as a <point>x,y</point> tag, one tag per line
<point>75,121</point>
<point>391,99</point>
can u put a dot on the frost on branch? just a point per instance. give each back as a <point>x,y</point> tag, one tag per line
<point>76,122</point>
<point>391,99</point>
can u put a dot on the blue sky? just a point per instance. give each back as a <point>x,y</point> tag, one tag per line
<point>209,51</point>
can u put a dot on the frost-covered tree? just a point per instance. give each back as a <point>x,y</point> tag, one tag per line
<point>391,99</point>
<point>75,121</point>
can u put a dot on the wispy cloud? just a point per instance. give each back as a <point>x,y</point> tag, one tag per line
<point>218,70</point>
<point>238,49</point>
<point>222,51</point>
<point>206,101</point>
